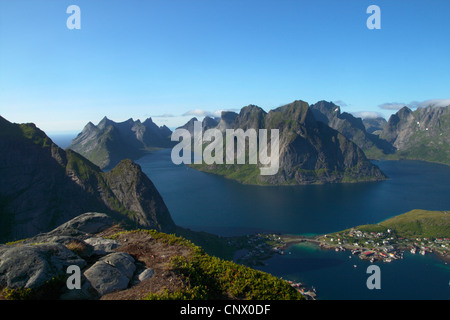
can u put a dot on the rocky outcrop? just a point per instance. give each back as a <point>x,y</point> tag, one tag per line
<point>137,193</point>
<point>109,142</point>
<point>110,273</point>
<point>31,266</point>
<point>144,264</point>
<point>43,186</point>
<point>35,262</point>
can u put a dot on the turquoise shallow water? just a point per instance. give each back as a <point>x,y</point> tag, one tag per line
<point>207,202</point>
<point>335,276</point>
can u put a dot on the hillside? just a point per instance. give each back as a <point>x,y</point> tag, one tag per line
<point>413,224</point>
<point>43,186</point>
<point>420,224</point>
<point>422,134</point>
<point>352,128</point>
<point>417,230</point>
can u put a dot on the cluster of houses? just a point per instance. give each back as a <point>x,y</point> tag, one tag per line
<point>383,246</point>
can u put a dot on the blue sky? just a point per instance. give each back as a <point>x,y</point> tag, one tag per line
<point>170,59</point>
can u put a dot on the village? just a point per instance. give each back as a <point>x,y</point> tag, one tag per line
<point>369,245</point>
<point>383,246</point>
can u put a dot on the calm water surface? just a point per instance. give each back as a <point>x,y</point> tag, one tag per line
<point>202,201</point>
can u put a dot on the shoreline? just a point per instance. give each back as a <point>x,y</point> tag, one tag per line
<point>290,240</point>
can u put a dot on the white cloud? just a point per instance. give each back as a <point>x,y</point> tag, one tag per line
<point>367,114</point>
<point>415,104</point>
<point>432,102</point>
<point>165,115</point>
<point>340,103</point>
<point>198,113</point>
<point>392,106</point>
<point>204,113</point>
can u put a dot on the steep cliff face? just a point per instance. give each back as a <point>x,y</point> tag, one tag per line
<point>136,193</point>
<point>310,151</point>
<point>109,142</point>
<point>423,134</point>
<point>43,186</point>
<point>352,128</point>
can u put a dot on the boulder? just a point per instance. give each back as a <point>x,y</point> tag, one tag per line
<point>87,223</point>
<point>31,266</point>
<point>102,246</point>
<point>121,261</point>
<point>112,273</point>
<point>146,274</point>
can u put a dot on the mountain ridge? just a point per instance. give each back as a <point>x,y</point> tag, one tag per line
<point>108,142</point>
<point>43,185</point>
<point>310,151</point>
<point>422,134</point>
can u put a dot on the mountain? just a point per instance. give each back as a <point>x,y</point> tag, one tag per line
<point>423,134</point>
<point>207,123</point>
<point>107,143</point>
<point>374,125</point>
<point>351,127</point>
<point>43,186</point>
<point>310,151</point>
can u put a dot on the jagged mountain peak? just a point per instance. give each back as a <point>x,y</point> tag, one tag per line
<point>109,142</point>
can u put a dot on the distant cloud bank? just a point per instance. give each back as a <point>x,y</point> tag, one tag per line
<point>205,113</point>
<point>367,114</point>
<point>415,104</point>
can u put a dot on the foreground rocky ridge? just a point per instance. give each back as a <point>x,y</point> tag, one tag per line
<point>120,264</point>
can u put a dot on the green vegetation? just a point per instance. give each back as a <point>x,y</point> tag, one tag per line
<point>413,224</point>
<point>209,277</point>
<point>17,294</point>
<point>420,223</point>
<point>48,291</point>
<point>426,231</point>
<point>25,130</point>
<point>212,278</point>
<point>244,173</point>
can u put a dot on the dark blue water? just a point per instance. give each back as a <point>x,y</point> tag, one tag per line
<point>207,202</point>
<point>335,276</point>
<point>211,203</point>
